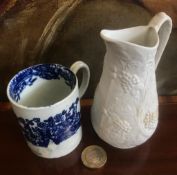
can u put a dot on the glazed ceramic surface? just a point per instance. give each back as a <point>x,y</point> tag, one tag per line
<point>125,108</point>
<point>45,98</point>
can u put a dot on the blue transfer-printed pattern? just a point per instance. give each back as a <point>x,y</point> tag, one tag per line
<point>56,128</point>
<point>46,71</point>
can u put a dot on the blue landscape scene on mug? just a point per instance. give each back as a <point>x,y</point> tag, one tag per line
<point>56,128</point>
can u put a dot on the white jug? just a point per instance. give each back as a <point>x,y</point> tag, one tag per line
<point>125,107</point>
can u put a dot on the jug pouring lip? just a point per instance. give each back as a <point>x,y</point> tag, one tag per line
<point>116,36</point>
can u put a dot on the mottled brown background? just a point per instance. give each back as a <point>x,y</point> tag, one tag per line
<point>63,31</point>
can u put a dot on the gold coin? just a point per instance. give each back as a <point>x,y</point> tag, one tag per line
<point>94,156</point>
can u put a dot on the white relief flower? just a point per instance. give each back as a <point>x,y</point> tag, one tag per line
<point>116,127</point>
<point>150,120</point>
<point>128,81</point>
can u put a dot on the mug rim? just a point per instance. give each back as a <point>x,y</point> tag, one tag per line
<point>40,107</point>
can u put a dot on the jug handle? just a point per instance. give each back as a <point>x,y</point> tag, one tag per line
<point>162,24</point>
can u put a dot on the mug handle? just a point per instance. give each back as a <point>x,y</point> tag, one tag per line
<point>162,24</point>
<point>86,75</point>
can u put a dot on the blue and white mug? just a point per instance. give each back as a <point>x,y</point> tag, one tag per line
<point>46,101</point>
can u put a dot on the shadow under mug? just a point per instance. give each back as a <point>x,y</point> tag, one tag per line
<point>45,99</point>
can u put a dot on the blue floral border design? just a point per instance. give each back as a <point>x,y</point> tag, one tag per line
<point>46,71</point>
<point>56,128</point>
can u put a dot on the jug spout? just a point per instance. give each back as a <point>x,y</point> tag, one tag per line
<point>140,36</point>
<point>113,36</point>
<point>109,35</point>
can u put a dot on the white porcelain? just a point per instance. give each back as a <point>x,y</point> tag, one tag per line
<point>125,107</point>
<point>46,101</point>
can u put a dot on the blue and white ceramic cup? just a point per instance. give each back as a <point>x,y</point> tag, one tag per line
<point>45,99</point>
